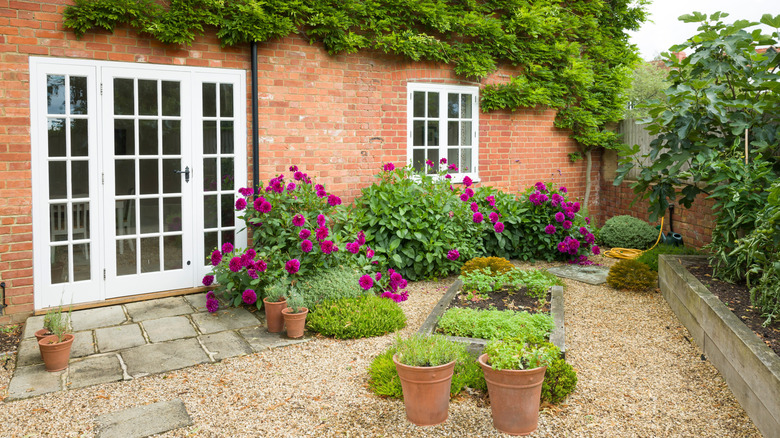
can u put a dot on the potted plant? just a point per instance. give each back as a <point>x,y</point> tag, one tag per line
<point>275,301</point>
<point>514,372</point>
<point>425,365</point>
<point>55,348</point>
<point>295,315</point>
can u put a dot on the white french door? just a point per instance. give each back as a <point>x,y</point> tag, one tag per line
<point>134,175</point>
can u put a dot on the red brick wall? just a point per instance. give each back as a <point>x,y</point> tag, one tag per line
<point>337,117</point>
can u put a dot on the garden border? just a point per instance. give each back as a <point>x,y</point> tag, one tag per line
<point>749,367</point>
<point>474,345</point>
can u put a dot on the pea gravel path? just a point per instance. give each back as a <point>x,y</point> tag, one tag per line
<point>639,376</point>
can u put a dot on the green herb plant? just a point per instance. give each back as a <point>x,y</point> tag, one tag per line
<point>495,324</point>
<point>353,318</point>
<point>425,350</point>
<point>519,354</point>
<point>330,285</point>
<point>295,301</point>
<point>57,323</point>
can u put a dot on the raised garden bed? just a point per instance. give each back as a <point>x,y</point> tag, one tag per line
<point>475,345</point>
<point>750,368</point>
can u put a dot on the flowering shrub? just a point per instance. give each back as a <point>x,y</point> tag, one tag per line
<point>237,274</point>
<point>390,285</point>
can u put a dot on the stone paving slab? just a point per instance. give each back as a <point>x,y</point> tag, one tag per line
<point>197,301</point>
<point>83,344</point>
<point>94,371</point>
<point>259,338</point>
<point>143,421</point>
<point>118,337</point>
<point>33,381</point>
<point>162,357</point>
<point>166,329</point>
<point>228,319</point>
<point>586,274</point>
<point>225,344</point>
<point>154,309</point>
<point>28,353</point>
<point>33,324</point>
<point>100,317</point>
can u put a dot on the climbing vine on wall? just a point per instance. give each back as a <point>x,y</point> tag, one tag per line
<point>572,55</point>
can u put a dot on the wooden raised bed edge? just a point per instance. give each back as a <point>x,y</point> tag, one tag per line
<point>474,345</point>
<point>749,367</point>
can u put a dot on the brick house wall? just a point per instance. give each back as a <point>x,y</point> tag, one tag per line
<point>339,118</point>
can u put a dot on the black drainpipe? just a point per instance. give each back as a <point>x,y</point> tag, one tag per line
<point>4,305</point>
<point>255,123</point>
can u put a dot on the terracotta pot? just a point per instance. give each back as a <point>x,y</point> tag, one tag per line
<point>295,322</point>
<point>426,392</point>
<point>273,315</point>
<point>55,354</point>
<point>42,333</point>
<point>515,396</point>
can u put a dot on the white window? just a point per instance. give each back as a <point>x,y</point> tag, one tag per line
<point>443,122</point>
<point>135,168</point>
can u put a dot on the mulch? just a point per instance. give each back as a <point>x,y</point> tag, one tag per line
<point>505,299</point>
<point>9,338</point>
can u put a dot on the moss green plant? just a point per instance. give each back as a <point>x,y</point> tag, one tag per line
<point>560,380</point>
<point>631,275</point>
<point>495,265</point>
<point>495,324</point>
<point>361,317</point>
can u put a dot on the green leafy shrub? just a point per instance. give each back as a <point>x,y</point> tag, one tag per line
<point>650,257</point>
<point>631,275</point>
<point>497,265</point>
<point>361,317</point>
<point>491,324</point>
<point>628,232</point>
<point>333,284</point>
<point>560,380</point>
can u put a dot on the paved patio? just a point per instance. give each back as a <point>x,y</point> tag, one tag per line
<point>128,341</point>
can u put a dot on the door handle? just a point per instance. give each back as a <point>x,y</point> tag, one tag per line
<point>186,173</point>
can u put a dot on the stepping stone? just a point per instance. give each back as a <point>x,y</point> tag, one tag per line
<point>33,381</point>
<point>162,357</point>
<point>32,325</point>
<point>28,353</point>
<point>225,344</point>
<point>153,309</point>
<point>166,329</point>
<point>118,337</point>
<point>197,301</point>
<point>83,344</point>
<point>143,421</point>
<point>100,317</point>
<point>586,274</point>
<point>228,319</point>
<point>259,338</point>
<point>94,371</point>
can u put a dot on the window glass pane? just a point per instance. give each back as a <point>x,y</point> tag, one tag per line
<point>452,134</point>
<point>228,210</point>
<point>171,98</point>
<point>171,137</point>
<point>58,222</point>
<point>125,257</point>
<point>452,106</point>
<point>55,94</point>
<point>418,104</point>
<point>209,174</point>
<point>172,252</point>
<point>59,265</point>
<point>418,159</point>
<point>229,236</point>
<point>209,100</point>
<point>79,179</point>
<point>171,179</point>
<point>210,211</point>
<point>56,137</point>
<point>433,133</point>
<point>79,138</point>
<point>453,157</point>
<point>58,183</point>
<point>433,105</point>
<point>124,174</point>
<point>123,97</point>
<point>125,217</point>
<point>226,137</point>
<point>210,243</point>
<point>147,97</point>
<point>465,159</point>
<point>150,254</point>
<point>147,137</point>
<point>78,95</point>
<point>81,262</point>
<point>433,156</point>
<point>418,133</point>
<point>172,214</point>
<point>124,137</point>
<point>226,100</point>
<point>150,216</point>
<point>465,106</point>
<point>226,173</point>
<point>465,133</point>
<point>80,218</point>
<point>209,137</point>
<point>148,176</point>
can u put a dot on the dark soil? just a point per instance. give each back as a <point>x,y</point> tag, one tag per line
<point>737,298</point>
<point>9,338</point>
<point>504,299</point>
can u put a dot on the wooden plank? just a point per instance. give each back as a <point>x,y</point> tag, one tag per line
<point>131,299</point>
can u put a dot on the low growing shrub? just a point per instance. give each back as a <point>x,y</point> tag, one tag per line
<point>650,257</point>
<point>631,275</point>
<point>333,284</point>
<point>361,317</point>
<point>560,380</point>
<point>497,265</point>
<point>495,324</point>
<point>628,232</point>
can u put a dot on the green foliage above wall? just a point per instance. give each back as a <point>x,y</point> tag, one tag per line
<point>571,55</point>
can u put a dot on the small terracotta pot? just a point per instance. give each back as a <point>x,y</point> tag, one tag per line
<point>426,392</point>
<point>42,333</point>
<point>55,354</point>
<point>295,322</point>
<point>515,396</point>
<point>273,315</point>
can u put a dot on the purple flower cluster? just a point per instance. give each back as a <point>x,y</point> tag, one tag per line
<point>389,167</point>
<point>453,254</point>
<point>292,266</point>
<point>249,296</point>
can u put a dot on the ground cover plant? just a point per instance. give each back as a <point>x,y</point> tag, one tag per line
<point>495,324</point>
<point>353,318</point>
<point>632,275</point>
<point>650,257</point>
<point>536,282</point>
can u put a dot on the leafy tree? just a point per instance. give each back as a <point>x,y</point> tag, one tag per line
<point>648,82</point>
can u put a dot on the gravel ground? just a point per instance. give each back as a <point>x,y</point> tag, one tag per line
<point>639,376</point>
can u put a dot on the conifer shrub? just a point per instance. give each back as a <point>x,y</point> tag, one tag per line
<point>631,275</point>
<point>628,232</point>
<point>560,380</point>
<point>497,265</point>
<point>352,318</point>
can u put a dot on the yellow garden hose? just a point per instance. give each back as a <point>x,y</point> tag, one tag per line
<point>628,253</point>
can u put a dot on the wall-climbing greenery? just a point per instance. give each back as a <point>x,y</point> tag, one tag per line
<point>573,56</point>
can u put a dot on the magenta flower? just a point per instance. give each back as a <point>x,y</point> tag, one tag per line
<point>448,176</point>
<point>250,253</point>
<point>534,198</point>
<point>467,181</point>
<point>366,282</point>
<point>590,238</point>
<point>321,193</point>
<point>252,273</point>
<point>261,266</point>
<point>306,245</point>
<point>208,280</point>
<point>559,217</point>
<point>576,207</point>
<point>562,247</point>
<point>443,161</point>
<point>216,257</point>
<point>293,168</point>
<point>583,231</point>
<point>240,204</point>
<point>292,266</point>
<point>540,186</point>
<point>291,187</point>
<point>236,263</point>
<point>304,234</point>
<point>395,280</point>
<point>369,253</point>
<point>378,276</point>
<point>562,189</point>
<point>212,305</point>
<point>246,191</point>
<point>543,198</point>
<point>249,296</point>
<point>491,200</point>
<point>321,219</point>
<point>556,199</point>
<point>353,247</point>
<point>477,218</point>
<point>389,167</point>
<point>550,229</point>
<point>361,238</point>
<point>493,216</point>
<point>258,203</point>
<point>298,220</point>
<point>265,207</point>
<point>452,167</point>
<point>464,197</point>
<point>322,233</point>
<point>453,254</point>
<point>328,247</point>
<point>334,200</point>
<point>429,163</point>
<point>298,175</point>
<point>474,207</point>
<point>566,225</point>
<point>596,250</point>
<point>587,220</point>
<point>469,193</point>
<point>227,247</point>
<point>499,227</point>
<point>211,294</point>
